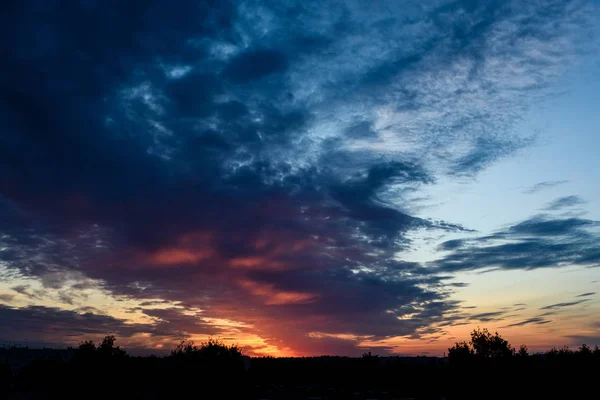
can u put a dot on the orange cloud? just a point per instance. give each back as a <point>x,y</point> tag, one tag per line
<point>274,296</point>
<point>256,263</point>
<point>179,256</point>
<point>189,249</point>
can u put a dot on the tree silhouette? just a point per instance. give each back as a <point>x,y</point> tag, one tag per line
<point>585,350</point>
<point>487,345</point>
<point>87,350</point>
<point>523,351</point>
<point>460,353</point>
<point>108,349</point>
<point>483,345</point>
<point>87,346</point>
<point>559,354</point>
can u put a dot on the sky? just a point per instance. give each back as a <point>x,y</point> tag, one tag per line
<point>300,178</point>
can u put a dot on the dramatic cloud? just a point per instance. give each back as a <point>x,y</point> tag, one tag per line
<point>252,160</point>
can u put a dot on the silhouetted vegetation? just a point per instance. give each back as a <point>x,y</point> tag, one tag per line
<point>107,350</point>
<point>483,346</point>
<point>212,350</point>
<point>487,367</point>
<point>495,367</point>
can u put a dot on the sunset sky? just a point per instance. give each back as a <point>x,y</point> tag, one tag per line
<point>299,177</point>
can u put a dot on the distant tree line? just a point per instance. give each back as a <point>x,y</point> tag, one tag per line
<point>486,367</point>
<point>494,367</point>
<point>487,347</point>
<point>98,371</point>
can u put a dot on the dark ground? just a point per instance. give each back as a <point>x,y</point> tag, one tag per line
<point>67,374</point>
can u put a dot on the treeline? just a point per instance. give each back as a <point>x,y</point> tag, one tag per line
<point>485,367</point>
<point>487,348</point>
<point>98,371</point>
<point>489,364</point>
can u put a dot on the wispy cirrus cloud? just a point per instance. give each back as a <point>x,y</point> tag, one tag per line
<point>534,320</point>
<point>543,185</point>
<point>588,294</point>
<point>538,242</point>
<point>562,305</point>
<point>564,202</point>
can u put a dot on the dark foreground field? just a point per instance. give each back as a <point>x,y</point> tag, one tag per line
<point>216,371</point>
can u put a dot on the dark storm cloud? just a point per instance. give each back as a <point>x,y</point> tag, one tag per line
<point>564,202</point>
<point>538,242</point>
<point>237,156</point>
<point>543,185</point>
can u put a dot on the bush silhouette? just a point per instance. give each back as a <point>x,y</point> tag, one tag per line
<point>213,357</point>
<point>460,353</point>
<point>212,349</point>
